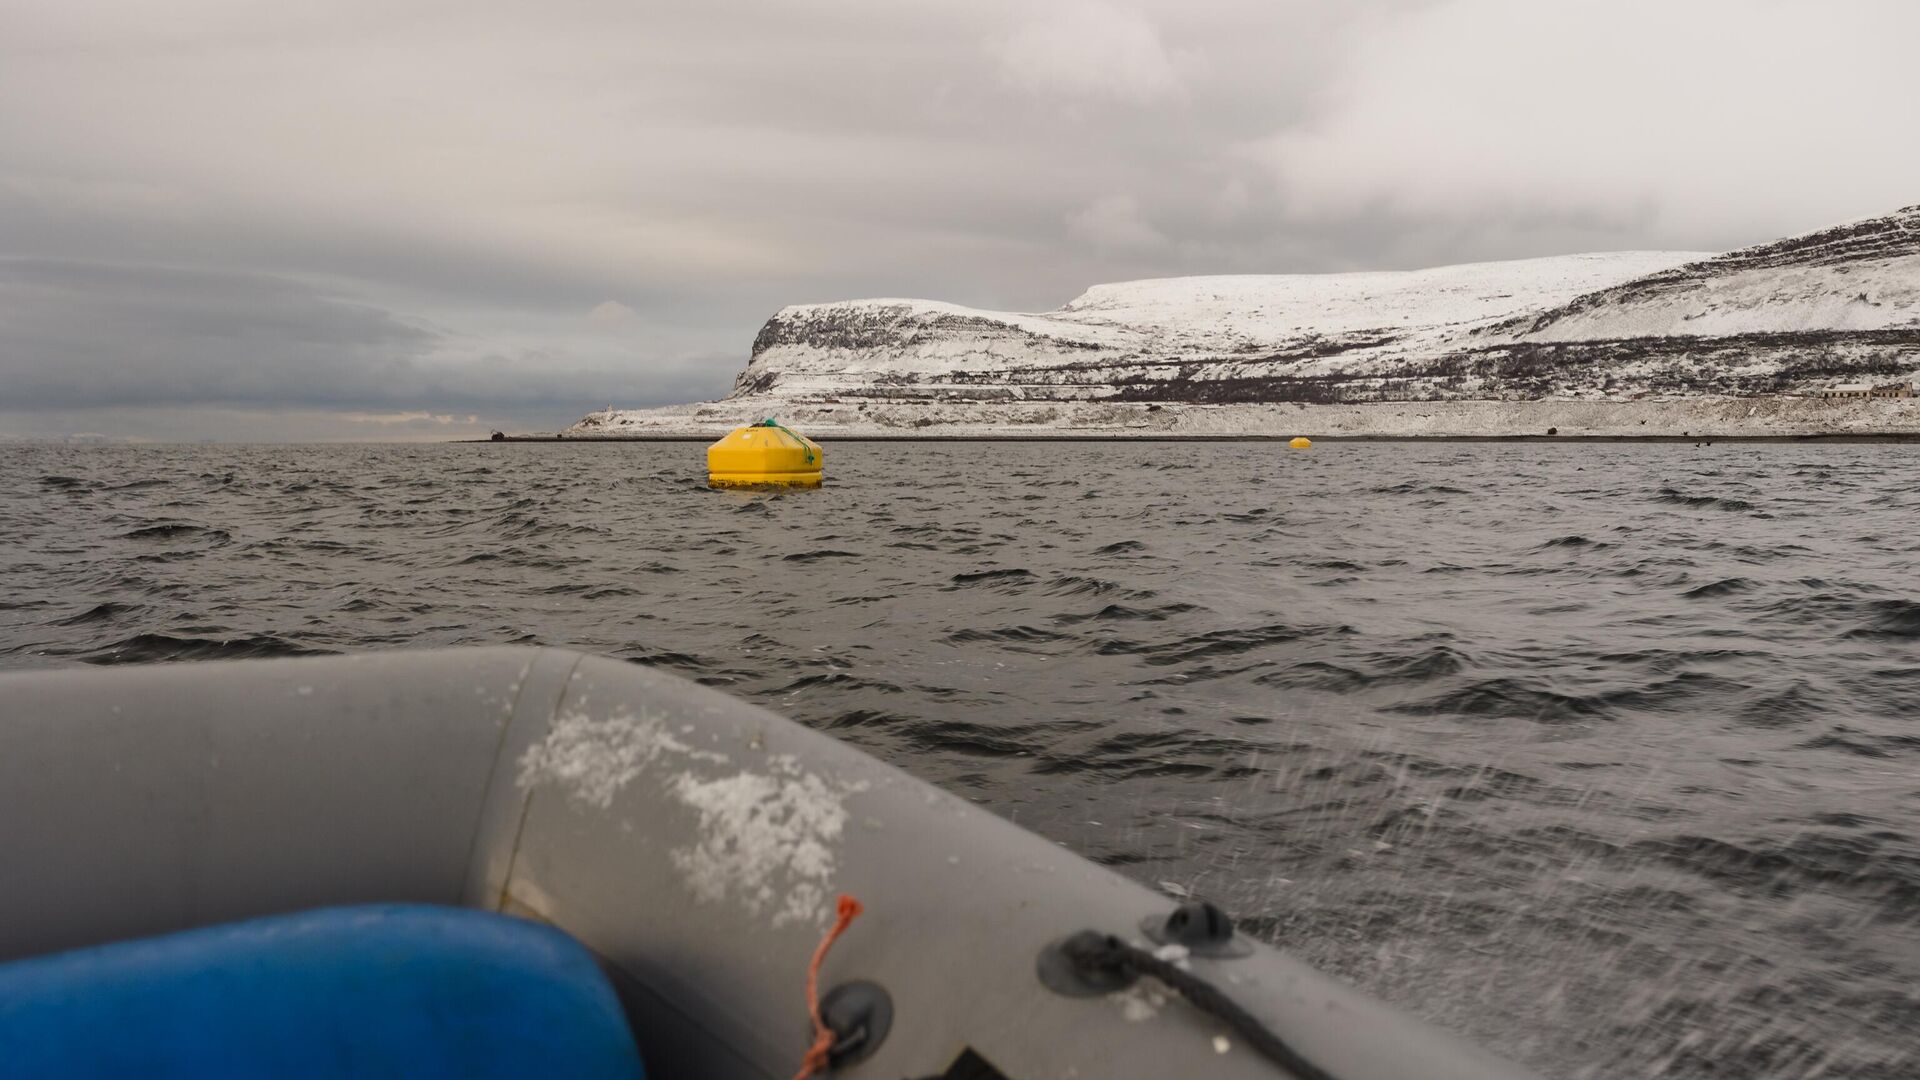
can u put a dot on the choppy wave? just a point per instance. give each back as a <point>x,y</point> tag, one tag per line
<point>1703,502</point>
<point>177,531</point>
<point>150,648</point>
<point>101,613</point>
<point>1895,619</point>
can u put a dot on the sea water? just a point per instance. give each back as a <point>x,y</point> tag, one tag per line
<point>1606,756</point>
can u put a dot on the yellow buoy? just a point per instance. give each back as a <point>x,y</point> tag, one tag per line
<point>1301,442</point>
<point>765,453</point>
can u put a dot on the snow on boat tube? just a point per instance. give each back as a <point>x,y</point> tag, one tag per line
<point>765,453</point>
<point>694,843</point>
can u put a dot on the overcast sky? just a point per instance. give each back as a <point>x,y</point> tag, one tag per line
<point>395,218</point>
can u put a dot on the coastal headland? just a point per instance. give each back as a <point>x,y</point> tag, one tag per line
<point>1816,335</point>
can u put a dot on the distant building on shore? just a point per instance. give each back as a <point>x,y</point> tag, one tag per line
<point>1868,390</point>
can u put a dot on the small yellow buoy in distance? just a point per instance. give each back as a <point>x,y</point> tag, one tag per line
<point>1301,442</point>
<point>765,453</point>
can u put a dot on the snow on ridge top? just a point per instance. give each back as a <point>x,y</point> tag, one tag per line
<point>936,307</point>
<point>1873,295</point>
<point>1862,275</point>
<point>1277,307</point>
<point>1518,267</point>
<point>1280,305</point>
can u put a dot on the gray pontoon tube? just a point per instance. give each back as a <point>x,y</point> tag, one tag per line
<point>696,843</point>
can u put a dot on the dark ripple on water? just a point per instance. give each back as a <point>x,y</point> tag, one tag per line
<point>1605,756</point>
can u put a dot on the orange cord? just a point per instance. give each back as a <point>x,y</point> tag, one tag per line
<point>816,1062</point>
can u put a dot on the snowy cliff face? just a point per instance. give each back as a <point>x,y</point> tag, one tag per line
<point>1176,339</point>
<point>1841,304</point>
<point>1862,276</point>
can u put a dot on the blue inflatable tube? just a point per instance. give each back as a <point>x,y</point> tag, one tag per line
<point>384,990</point>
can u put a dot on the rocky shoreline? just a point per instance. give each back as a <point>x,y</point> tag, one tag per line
<point>1692,417</point>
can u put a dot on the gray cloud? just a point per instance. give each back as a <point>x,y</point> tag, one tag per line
<point>81,334</point>
<point>1093,51</point>
<point>534,209</point>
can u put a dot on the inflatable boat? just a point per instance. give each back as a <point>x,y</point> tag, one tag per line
<point>568,865</point>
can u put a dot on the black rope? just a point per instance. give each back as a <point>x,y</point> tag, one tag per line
<point>1095,952</point>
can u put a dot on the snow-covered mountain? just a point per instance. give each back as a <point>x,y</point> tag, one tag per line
<point>1840,304</point>
<point>1177,339</point>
